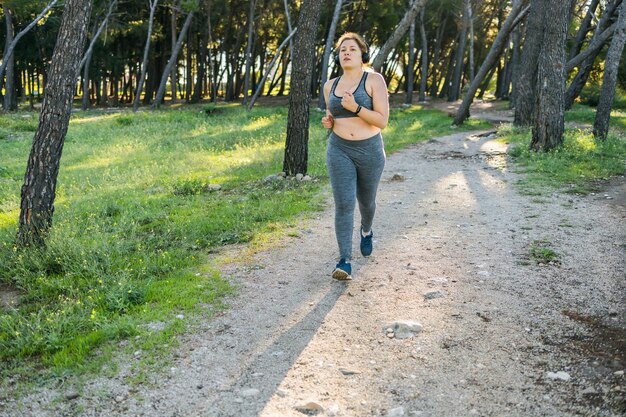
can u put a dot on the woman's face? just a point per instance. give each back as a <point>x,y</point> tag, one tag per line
<point>350,54</point>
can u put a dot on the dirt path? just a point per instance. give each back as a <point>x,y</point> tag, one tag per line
<point>501,335</point>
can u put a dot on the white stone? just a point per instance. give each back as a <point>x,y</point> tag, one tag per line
<point>560,375</point>
<point>299,177</point>
<point>250,392</point>
<point>396,412</point>
<point>404,329</point>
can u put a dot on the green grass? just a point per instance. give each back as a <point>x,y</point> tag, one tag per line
<point>586,115</point>
<point>541,252</point>
<point>574,167</point>
<point>137,214</point>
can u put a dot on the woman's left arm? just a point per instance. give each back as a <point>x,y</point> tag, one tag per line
<point>379,115</point>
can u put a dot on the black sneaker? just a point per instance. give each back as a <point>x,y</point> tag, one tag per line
<point>366,243</point>
<point>343,271</point>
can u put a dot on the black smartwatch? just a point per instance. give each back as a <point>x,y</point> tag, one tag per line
<point>358,109</point>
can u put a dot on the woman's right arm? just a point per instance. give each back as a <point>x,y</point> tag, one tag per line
<point>327,121</point>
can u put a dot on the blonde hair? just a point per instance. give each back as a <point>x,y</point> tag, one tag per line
<point>359,41</point>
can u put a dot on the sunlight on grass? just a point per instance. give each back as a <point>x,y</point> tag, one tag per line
<point>417,125</point>
<point>573,167</point>
<point>89,117</point>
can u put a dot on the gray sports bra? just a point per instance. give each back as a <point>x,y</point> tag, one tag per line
<point>360,96</point>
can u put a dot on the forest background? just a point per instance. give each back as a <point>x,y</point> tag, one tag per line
<point>145,197</point>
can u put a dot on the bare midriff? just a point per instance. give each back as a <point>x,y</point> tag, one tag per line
<point>354,128</point>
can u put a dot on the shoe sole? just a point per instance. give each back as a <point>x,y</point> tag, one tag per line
<point>341,275</point>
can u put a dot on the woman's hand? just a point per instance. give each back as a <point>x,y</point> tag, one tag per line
<point>348,102</point>
<point>328,121</point>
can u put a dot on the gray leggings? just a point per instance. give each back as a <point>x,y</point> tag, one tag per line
<point>355,168</point>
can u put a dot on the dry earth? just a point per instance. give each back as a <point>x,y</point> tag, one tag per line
<point>502,335</point>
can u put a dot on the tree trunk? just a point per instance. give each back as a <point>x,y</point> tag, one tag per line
<point>549,111</point>
<point>288,14</point>
<point>504,79</point>
<point>296,145</point>
<point>583,29</point>
<point>321,102</point>
<point>246,82</point>
<point>87,63</point>
<point>424,76</point>
<point>492,57</point>
<point>455,86</point>
<point>607,93</point>
<point>515,60</point>
<point>397,34</point>
<point>525,96</point>
<point>470,18</point>
<point>8,51</point>
<point>201,64</point>
<point>449,69</point>
<point>10,103</point>
<point>593,50</point>
<point>410,68</point>
<point>174,68</point>
<point>171,63</point>
<point>146,50</point>
<point>259,88</point>
<point>434,88</point>
<point>38,191</point>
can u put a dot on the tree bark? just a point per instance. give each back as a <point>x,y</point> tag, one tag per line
<point>328,48</point>
<point>246,83</point>
<point>410,68</point>
<point>549,111</point>
<point>201,64</point>
<point>296,145</point>
<point>492,57</point>
<point>38,191</point>
<point>397,34</point>
<point>146,51</point>
<point>288,14</point>
<point>470,15</point>
<point>515,60</point>
<point>424,75</point>
<point>174,68</point>
<point>86,102</point>
<point>455,87</point>
<point>607,92</point>
<point>525,96</point>
<point>434,88</point>
<point>10,103</point>
<point>171,63</point>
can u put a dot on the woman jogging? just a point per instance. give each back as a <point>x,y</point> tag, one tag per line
<point>357,109</point>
